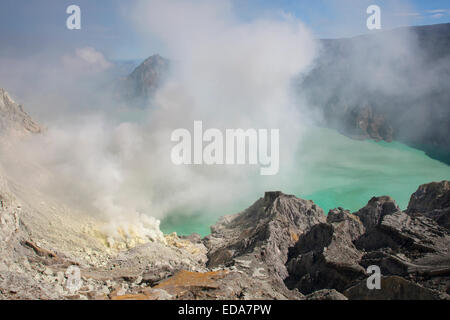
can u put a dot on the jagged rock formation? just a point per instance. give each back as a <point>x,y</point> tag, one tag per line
<point>256,241</point>
<point>259,237</point>
<point>281,247</point>
<point>433,201</point>
<point>412,250</point>
<point>13,119</point>
<point>390,85</point>
<point>325,257</point>
<point>142,83</point>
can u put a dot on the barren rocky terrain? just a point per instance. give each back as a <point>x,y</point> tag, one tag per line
<point>281,247</point>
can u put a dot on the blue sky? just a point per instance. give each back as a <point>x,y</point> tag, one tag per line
<point>33,26</point>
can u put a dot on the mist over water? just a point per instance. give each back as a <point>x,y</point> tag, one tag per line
<point>336,171</point>
<point>348,172</point>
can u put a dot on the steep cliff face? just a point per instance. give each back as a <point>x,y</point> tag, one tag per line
<point>392,85</point>
<point>13,119</point>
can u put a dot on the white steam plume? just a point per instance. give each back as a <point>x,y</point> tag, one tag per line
<point>226,72</point>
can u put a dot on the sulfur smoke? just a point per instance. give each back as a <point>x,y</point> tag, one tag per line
<point>227,73</point>
<point>108,158</point>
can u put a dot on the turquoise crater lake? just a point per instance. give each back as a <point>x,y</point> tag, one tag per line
<point>336,171</point>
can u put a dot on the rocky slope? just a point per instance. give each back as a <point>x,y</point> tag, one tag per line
<point>142,83</point>
<point>13,119</point>
<point>281,247</point>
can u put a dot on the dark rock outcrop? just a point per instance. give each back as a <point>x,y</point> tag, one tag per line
<point>325,257</point>
<point>432,200</point>
<point>411,250</point>
<point>328,258</point>
<point>393,288</point>
<point>261,235</point>
<point>257,240</point>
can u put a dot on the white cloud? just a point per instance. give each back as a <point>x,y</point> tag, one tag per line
<point>437,16</point>
<point>93,57</point>
<point>438,11</point>
<point>87,58</point>
<point>408,14</point>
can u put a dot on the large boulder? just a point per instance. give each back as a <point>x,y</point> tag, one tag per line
<point>375,210</point>
<point>411,235</point>
<point>432,200</point>
<point>325,257</point>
